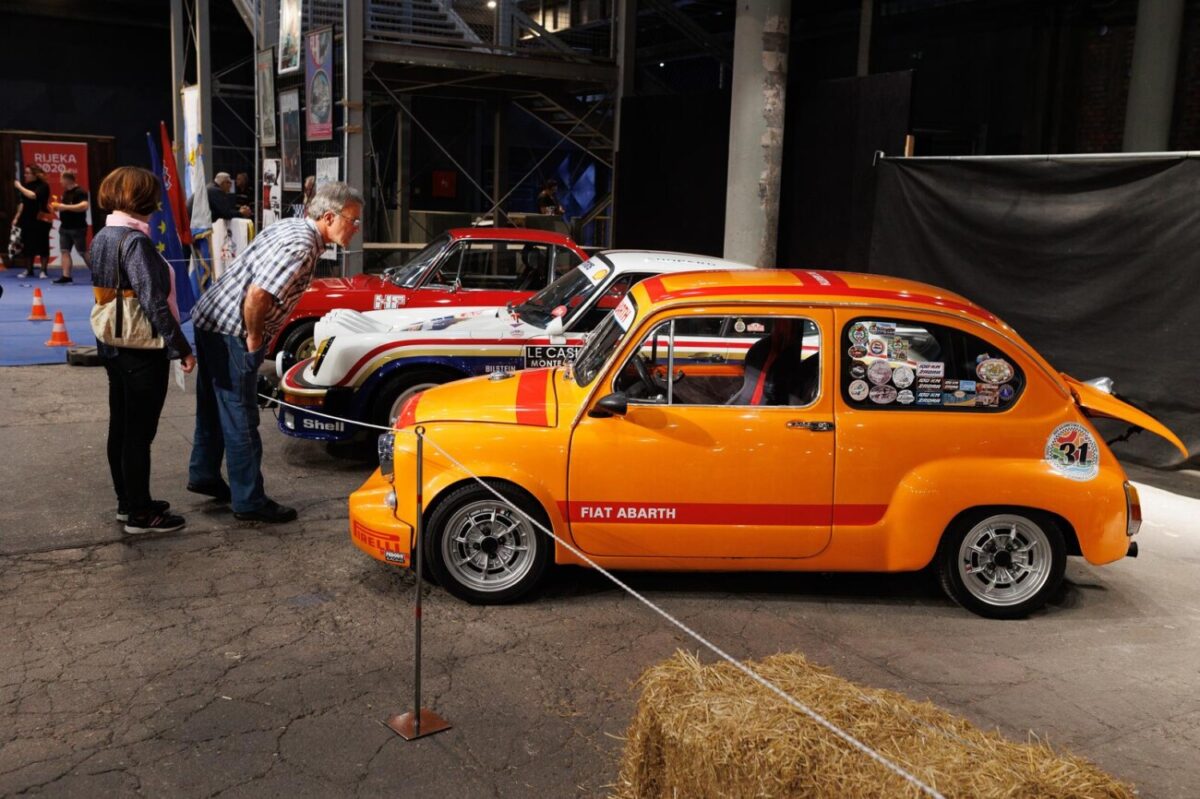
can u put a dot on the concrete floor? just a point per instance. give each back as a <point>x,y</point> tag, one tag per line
<point>236,660</point>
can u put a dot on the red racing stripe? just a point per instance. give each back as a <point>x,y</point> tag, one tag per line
<point>531,397</point>
<point>605,512</point>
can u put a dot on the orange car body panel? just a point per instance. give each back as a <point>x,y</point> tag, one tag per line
<point>671,487</point>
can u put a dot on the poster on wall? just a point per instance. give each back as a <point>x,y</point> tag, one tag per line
<point>264,74</point>
<point>55,158</point>
<point>272,193</point>
<point>289,115</point>
<point>289,36</point>
<point>190,100</point>
<point>327,172</point>
<point>318,82</point>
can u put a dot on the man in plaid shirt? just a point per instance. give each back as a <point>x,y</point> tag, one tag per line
<point>234,320</point>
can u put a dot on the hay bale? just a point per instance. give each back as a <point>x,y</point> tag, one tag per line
<point>710,731</point>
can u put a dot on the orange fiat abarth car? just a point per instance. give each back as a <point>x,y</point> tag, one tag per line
<point>766,420</point>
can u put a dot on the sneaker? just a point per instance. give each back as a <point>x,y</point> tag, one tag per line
<point>156,506</point>
<point>272,513</point>
<point>42,274</point>
<point>63,279</point>
<point>25,274</point>
<point>217,490</point>
<point>154,522</point>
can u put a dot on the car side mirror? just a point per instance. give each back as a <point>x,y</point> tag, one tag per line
<point>615,404</point>
<point>555,326</point>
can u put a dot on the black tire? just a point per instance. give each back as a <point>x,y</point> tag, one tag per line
<point>399,387</point>
<point>1013,563</point>
<point>298,344</point>
<point>472,522</point>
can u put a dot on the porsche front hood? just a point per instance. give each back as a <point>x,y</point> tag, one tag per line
<point>526,397</point>
<point>1095,402</point>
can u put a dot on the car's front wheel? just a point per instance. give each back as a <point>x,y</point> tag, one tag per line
<point>397,390</point>
<point>482,550</point>
<point>1002,564</point>
<point>298,344</point>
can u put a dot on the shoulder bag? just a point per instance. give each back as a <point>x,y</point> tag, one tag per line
<point>117,317</point>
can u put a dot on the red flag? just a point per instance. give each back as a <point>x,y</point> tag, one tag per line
<point>174,188</point>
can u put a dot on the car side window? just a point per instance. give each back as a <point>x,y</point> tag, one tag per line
<point>447,271</point>
<point>898,364</point>
<point>726,360</point>
<point>505,265</point>
<point>565,260</point>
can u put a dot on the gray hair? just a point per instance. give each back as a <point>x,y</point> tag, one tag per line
<point>221,177</point>
<point>333,197</point>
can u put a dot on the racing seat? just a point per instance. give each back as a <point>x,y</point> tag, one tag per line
<point>533,275</point>
<point>776,373</point>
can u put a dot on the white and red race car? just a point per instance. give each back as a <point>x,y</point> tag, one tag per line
<point>367,364</point>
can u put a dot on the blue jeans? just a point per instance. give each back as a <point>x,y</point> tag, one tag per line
<point>227,418</point>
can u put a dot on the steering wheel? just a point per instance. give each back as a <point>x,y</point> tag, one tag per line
<point>646,376</point>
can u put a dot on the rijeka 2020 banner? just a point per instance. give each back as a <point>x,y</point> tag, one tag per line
<point>56,157</point>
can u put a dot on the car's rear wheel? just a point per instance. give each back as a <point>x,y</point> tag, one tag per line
<point>1002,564</point>
<point>298,344</point>
<point>482,550</point>
<point>396,391</point>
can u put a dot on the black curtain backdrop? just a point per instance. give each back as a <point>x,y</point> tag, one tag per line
<point>671,171</point>
<point>832,131</point>
<point>1096,262</point>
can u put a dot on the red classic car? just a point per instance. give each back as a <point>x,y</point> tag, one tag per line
<point>462,267</point>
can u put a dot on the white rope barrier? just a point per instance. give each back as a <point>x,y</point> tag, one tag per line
<point>791,700</point>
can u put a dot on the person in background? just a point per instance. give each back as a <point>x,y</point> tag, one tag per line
<point>243,197</point>
<point>34,218</point>
<point>122,254</point>
<point>221,202</point>
<point>547,199</point>
<point>234,320</point>
<point>72,224</point>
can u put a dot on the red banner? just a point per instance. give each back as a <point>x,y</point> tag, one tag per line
<point>56,157</point>
<point>174,188</point>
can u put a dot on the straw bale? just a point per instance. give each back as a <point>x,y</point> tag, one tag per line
<point>710,731</point>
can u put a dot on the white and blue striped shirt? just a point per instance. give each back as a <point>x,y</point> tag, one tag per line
<point>279,261</point>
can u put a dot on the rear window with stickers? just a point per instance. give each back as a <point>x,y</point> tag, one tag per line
<point>900,364</point>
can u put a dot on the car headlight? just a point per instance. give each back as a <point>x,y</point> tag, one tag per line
<point>387,455</point>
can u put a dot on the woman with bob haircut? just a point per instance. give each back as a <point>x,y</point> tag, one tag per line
<point>123,254</point>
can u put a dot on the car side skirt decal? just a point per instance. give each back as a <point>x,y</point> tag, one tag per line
<point>720,513</point>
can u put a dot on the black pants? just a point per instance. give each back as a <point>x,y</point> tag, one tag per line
<point>137,388</point>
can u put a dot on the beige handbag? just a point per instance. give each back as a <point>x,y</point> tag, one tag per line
<point>117,317</point>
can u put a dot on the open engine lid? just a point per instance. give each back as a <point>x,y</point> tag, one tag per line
<point>1100,403</point>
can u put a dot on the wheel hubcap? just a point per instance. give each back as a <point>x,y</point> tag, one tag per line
<point>1005,560</point>
<point>488,547</point>
<point>306,350</point>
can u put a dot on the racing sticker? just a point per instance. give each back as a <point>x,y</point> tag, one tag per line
<point>540,355</point>
<point>858,334</point>
<point>994,370</point>
<point>879,372</point>
<point>877,347</point>
<point>897,349</point>
<point>858,371</point>
<point>883,395</point>
<point>1007,392</point>
<point>857,352</point>
<point>883,329</point>
<point>905,397</point>
<point>597,273</point>
<point>1072,452</point>
<point>931,369</point>
<point>739,326</point>
<point>388,302</point>
<point>624,312</point>
<point>987,395</point>
<point>902,376</point>
<point>958,393</point>
<point>858,390</point>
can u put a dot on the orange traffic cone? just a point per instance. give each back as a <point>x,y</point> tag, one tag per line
<point>38,312</point>
<point>58,335</point>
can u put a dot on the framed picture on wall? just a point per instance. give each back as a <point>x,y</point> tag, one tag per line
<point>289,122</point>
<point>289,36</point>
<point>318,83</point>
<point>264,75</point>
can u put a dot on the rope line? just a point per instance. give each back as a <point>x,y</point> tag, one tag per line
<point>770,686</point>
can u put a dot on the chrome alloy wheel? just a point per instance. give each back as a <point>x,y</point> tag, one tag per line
<point>488,547</point>
<point>1005,560</point>
<point>306,350</point>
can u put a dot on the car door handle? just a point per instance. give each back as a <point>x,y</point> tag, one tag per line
<point>816,427</point>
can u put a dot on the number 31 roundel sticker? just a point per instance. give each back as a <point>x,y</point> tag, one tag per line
<point>1071,451</point>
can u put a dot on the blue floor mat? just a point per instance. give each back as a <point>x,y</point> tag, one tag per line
<point>23,343</point>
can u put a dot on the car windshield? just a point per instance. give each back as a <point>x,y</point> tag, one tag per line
<point>408,275</point>
<point>600,345</point>
<point>569,292</point>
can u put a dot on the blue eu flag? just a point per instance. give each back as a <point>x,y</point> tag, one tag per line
<point>166,239</point>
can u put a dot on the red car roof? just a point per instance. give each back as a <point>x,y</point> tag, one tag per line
<point>511,234</point>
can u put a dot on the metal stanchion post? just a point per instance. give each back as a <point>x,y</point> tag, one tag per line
<point>420,721</point>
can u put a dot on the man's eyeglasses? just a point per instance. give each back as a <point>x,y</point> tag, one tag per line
<point>357,223</point>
